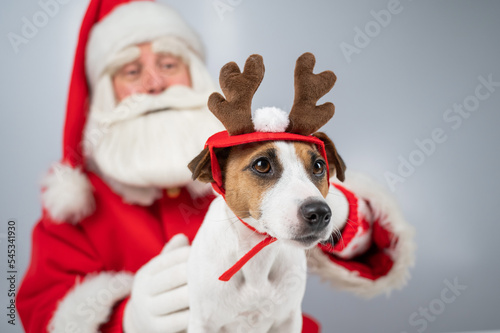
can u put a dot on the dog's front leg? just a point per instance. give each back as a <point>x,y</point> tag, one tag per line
<point>293,324</point>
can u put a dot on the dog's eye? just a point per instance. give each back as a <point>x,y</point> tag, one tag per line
<point>319,168</point>
<point>262,165</point>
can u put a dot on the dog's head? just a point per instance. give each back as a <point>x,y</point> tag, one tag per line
<point>278,185</point>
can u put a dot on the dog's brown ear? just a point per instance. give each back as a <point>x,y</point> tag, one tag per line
<point>201,166</point>
<point>335,162</point>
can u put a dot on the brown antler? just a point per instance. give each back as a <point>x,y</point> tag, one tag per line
<point>234,111</point>
<point>306,117</point>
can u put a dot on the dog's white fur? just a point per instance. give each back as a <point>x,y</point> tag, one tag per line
<point>266,294</point>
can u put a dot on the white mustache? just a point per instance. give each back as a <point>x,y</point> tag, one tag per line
<point>174,98</point>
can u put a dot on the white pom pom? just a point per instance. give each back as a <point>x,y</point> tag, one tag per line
<point>270,119</point>
<point>67,194</point>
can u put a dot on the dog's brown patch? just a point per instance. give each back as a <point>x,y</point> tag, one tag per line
<point>308,155</point>
<point>244,186</point>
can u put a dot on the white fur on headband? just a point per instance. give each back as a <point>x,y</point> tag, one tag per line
<point>270,119</point>
<point>67,194</point>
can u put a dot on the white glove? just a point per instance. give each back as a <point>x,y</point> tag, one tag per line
<point>159,301</point>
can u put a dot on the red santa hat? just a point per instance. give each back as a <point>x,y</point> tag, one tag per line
<point>108,27</point>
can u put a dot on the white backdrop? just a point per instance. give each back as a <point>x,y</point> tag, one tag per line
<point>408,107</point>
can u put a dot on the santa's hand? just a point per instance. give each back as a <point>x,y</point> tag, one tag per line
<point>159,299</point>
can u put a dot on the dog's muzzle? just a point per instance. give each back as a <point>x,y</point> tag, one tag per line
<point>316,215</point>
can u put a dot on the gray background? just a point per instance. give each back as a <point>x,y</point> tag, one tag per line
<point>395,91</point>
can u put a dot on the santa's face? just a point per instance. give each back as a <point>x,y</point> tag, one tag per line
<point>150,73</point>
<point>148,117</point>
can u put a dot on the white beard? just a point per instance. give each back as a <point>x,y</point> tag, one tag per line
<point>146,142</point>
<point>154,149</point>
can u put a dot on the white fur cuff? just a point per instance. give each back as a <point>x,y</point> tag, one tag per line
<point>386,211</point>
<point>88,305</point>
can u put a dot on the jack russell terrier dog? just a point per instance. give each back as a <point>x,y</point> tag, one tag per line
<point>273,176</point>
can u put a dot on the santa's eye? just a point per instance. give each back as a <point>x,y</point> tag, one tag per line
<point>262,165</point>
<point>130,71</point>
<point>319,168</point>
<point>169,64</point>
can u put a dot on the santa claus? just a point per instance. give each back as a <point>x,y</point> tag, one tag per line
<point>109,253</point>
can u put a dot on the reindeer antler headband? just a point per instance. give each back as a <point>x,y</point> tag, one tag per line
<point>268,124</point>
<point>305,117</point>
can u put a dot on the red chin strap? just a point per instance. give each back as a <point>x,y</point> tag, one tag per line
<point>249,255</point>
<point>224,140</point>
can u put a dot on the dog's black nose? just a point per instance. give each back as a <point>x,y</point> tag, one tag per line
<point>316,214</point>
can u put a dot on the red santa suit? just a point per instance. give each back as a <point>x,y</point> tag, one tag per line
<point>90,242</point>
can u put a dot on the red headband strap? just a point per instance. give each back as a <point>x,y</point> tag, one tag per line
<point>224,140</point>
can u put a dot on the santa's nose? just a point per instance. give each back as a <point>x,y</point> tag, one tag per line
<point>154,82</point>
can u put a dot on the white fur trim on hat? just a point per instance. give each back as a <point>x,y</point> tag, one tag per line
<point>386,210</point>
<point>130,24</point>
<point>270,119</point>
<point>89,303</point>
<point>67,194</point>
